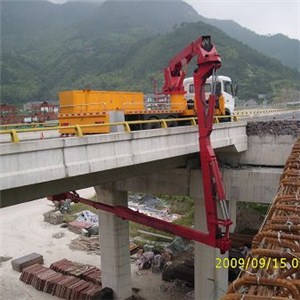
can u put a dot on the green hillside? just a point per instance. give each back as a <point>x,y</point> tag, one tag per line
<point>117,45</point>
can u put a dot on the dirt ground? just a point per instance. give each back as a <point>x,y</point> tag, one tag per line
<point>23,231</point>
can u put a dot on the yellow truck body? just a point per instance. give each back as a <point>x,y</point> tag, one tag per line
<point>82,107</point>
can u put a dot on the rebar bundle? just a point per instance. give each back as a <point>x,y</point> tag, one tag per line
<point>272,268</point>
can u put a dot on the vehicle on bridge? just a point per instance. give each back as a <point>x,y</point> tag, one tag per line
<point>176,100</point>
<point>225,91</point>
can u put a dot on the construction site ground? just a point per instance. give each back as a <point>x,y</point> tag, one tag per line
<point>23,231</point>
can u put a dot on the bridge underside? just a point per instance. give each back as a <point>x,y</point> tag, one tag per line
<point>53,166</point>
<point>168,176</point>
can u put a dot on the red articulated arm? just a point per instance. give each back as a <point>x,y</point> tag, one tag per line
<point>208,61</point>
<point>176,71</point>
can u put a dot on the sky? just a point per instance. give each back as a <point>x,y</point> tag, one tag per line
<point>261,16</point>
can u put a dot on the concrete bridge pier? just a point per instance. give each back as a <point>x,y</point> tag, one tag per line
<point>210,283</point>
<point>114,244</point>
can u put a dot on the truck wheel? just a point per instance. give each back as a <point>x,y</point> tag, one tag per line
<point>152,125</point>
<point>173,123</point>
<point>225,119</point>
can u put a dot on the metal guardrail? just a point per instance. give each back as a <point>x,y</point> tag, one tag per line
<point>28,125</point>
<point>14,133</point>
<point>237,113</point>
<point>248,112</point>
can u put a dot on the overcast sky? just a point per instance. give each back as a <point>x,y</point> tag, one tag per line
<point>263,17</point>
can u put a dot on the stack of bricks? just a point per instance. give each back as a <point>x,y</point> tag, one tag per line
<point>77,226</point>
<point>86,272</point>
<point>85,285</point>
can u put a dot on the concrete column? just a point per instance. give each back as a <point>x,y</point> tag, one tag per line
<point>114,244</point>
<point>210,283</point>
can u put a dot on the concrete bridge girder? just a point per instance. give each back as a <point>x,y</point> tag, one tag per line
<point>73,163</point>
<point>251,184</point>
<point>267,150</point>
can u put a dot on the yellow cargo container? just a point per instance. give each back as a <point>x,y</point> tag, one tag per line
<point>82,107</point>
<point>88,101</point>
<point>84,119</point>
<point>85,107</point>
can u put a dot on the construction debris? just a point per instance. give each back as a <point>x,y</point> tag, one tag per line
<point>151,206</point>
<point>284,127</point>
<point>177,286</point>
<point>87,223</point>
<point>92,245</point>
<point>88,244</point>
<point>58,235</point>
<point>145,260</point>
<point>88,217</point>
<point>54,217</point>
<point>179,245</point>
<point>77,226</point>
<point>25,261</point>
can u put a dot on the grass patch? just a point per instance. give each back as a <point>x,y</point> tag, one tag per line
<point>178,204</point>
<point>135,227</point>
<point>181,205</point>
<point>187,220</point>
<point>259,207</point>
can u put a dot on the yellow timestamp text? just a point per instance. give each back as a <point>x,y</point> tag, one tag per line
<point>257,263</point>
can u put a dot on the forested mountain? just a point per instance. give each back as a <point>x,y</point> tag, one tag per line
<point>117,45</point>
<point>277,46</point>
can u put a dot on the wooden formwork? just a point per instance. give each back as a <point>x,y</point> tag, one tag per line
<point>272,268</point>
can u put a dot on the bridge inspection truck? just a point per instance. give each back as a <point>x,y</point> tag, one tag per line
<point>176,100</point>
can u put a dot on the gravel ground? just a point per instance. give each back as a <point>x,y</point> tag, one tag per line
<point>23,231</point>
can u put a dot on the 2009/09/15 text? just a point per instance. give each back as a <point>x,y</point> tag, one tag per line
<point>257,263</point>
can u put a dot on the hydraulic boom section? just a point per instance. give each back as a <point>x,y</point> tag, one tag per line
<point>208,61</point>
<point>176,71</point>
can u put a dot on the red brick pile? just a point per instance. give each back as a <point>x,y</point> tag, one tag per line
<point>86,272</point>
<point>60,285</point>
<point>77,226</point>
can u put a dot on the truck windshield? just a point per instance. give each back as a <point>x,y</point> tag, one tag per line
<point>207,88</point>
<point>228,87</point>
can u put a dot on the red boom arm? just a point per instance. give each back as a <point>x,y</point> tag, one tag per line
<point>208,62</point>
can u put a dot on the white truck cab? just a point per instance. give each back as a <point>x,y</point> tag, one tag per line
<point>224,87</point>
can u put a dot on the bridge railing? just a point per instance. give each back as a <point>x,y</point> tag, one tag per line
<point>28,125</point>
<point>78,129</point>
<point>260,111</point>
